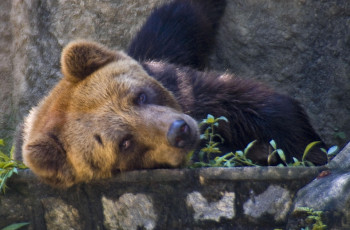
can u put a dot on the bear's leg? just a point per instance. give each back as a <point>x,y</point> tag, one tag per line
<point>182,32</point>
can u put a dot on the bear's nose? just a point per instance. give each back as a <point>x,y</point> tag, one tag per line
<point>179,134</point>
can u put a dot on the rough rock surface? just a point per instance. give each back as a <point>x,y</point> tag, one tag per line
<point>129,212</point>
<point>212,198</point>
<point>330,193</point>
<point>7,107</point>
<point>299,47</point>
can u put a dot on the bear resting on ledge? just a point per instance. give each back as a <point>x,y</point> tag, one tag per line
<point>114,112</point>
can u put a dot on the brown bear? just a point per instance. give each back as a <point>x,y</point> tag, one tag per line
<point>112,113</point>
<point>106,115</point>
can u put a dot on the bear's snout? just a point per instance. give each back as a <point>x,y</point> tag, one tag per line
<point>179,134</point>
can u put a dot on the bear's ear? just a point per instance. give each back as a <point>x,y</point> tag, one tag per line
<point>81,58</point>
<point>47,158</point>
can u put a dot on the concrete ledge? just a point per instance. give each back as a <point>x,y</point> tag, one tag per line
<point>208,198</point>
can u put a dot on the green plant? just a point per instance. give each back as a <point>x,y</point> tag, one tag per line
<point>8,166</point>
<point>313,218</point>
<point>207,156</point>
<point>210,136</point>
<point>211,146</point>
<point>295,162</point>
<point>275,151</point>
<point>331,152</point>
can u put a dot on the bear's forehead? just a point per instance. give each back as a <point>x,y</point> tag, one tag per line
<point>107,84</point>
<point>106,91</point>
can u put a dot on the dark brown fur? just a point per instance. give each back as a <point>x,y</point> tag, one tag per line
<point>254,111</point>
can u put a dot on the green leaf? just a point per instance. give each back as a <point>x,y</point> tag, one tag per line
<point>240,153</point>
<point>9,164</point>
<point>249,146</point>
<point>2,143</point>
<point>3,184</point>
<point>15,226</point>
<point>303,209</point>
<point>324,150</point>
<point>210,119</point>
<point>270,157</point>
<point>4,157</point>
<point>308,148</point>
<point>281,154</point>
<point>219,160</point>
<point>21,166</point>
<point>332,150</point>
<point>273,144</point>
<point>12,152</point>
<point>228,155</point>
<point>222,118</point>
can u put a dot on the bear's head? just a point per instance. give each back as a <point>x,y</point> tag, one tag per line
<point>106,115</point>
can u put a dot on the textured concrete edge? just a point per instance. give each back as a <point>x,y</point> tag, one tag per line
<point>206,174</point>
<point>260,173</point>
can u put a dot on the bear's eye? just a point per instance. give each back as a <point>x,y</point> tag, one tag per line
<point>141,99</point>
<point>125,144</point>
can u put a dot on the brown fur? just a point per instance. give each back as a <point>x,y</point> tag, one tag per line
<point>79,131</point>
<point>110,114</point>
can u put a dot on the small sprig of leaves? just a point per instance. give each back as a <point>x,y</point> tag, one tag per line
<point>313,218</point>
<point>295,162</point>
<point>206,159</point>
<point>331,152</point>
<point>8,167</point>
<point>210,136</point>
<point>211,146</point>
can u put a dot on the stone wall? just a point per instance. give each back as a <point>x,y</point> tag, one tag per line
<point>213,198</point>
<point>299,47</point>
<point>209,198</point>
<point>6,71</point>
